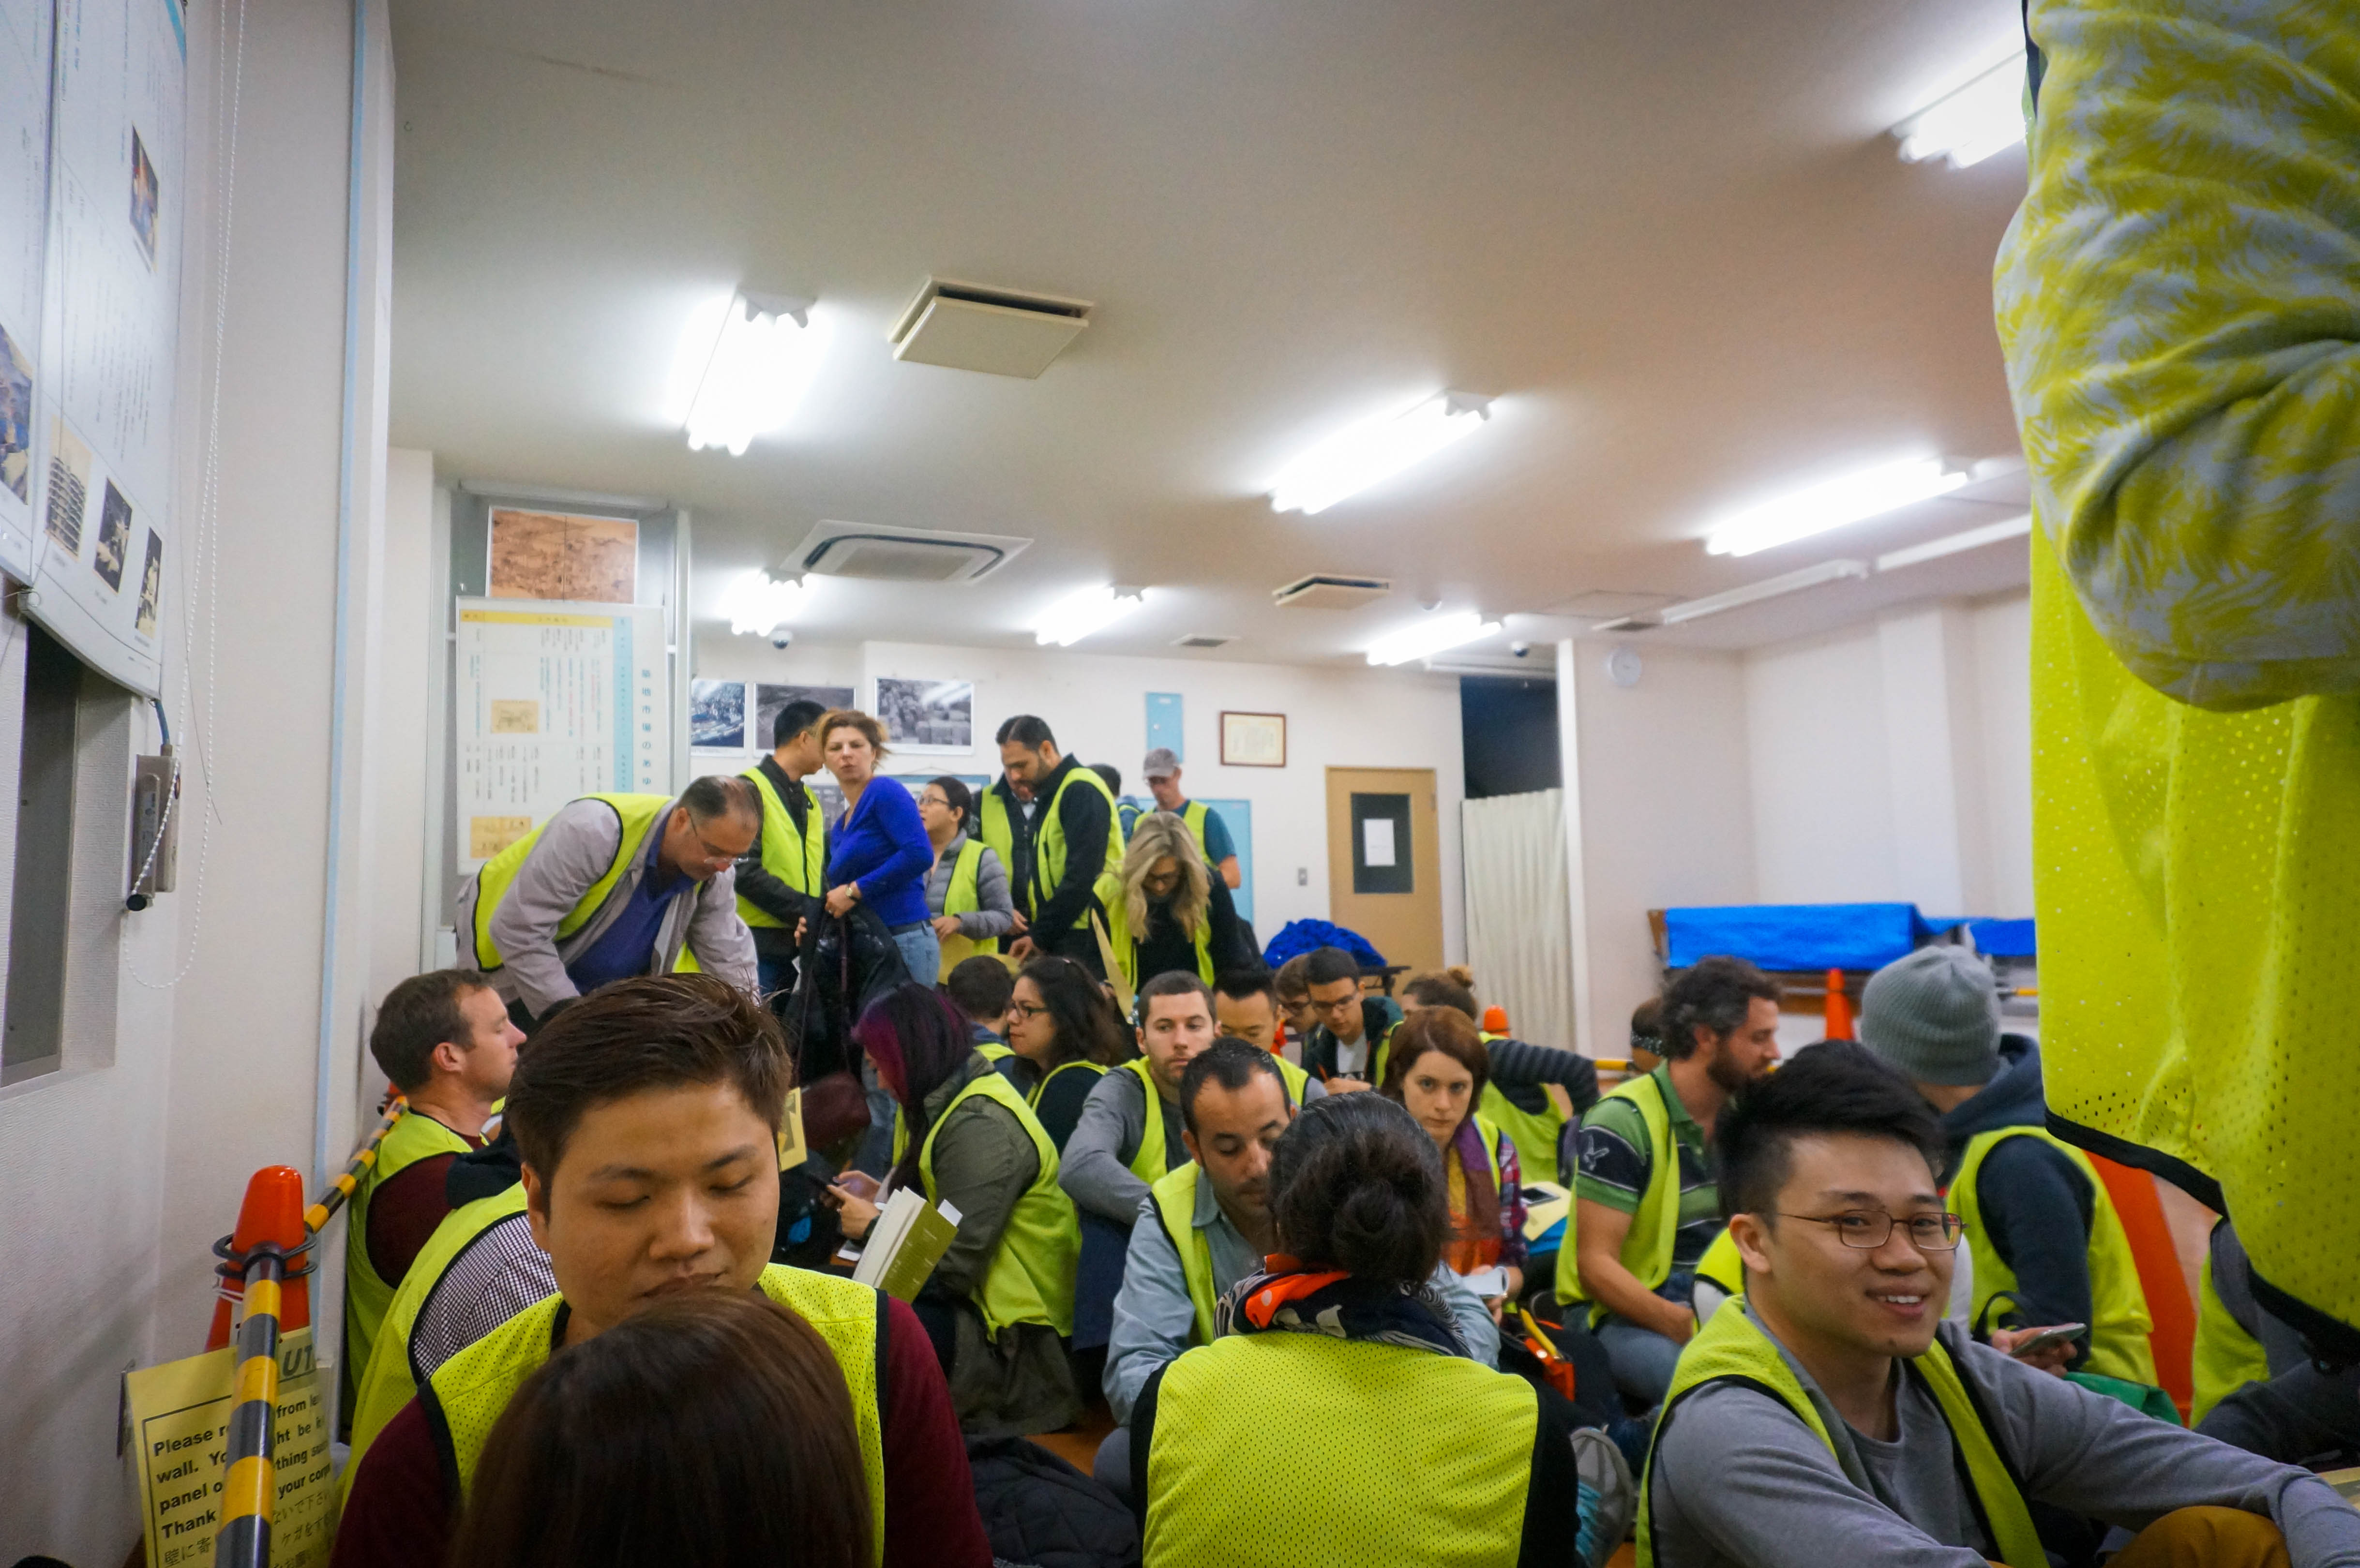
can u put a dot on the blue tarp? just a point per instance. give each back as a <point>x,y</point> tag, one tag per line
<point>2003,939</point>
<point>1303,936</point>
<point>1797,936</point>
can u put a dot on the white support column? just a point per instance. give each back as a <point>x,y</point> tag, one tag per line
<point>1577,887</point>
<point>1932,731</point>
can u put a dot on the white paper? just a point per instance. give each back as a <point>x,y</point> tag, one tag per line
<point>1376,841</point>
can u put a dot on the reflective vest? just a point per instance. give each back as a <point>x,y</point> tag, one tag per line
<point>468,1392</point>
<point>997,827</point>
<point>1534,1132</point>
<point>1154,1159</point>
<point>1656,1228</point>
<point>1194,813</point>
<point>1241,1460</point>
<point>1031,1278</point>
<point>1722,1266</point>
<point>2193,889</point>
<point>2226,1355</point>
<point>797,859</point>
<point>1127,947</point>
<point>1049,848</point>
<point>639,816</point>
<point>415,1137</point>
<point>1175,1204</point>
<point>388,1379</point>
<point>1092,1068</point>
<point>1732,1348</point>
<point>2118,1335</point>
<point>962,897</point>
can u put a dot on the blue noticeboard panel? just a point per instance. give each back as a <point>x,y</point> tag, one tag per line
<point>1797,936</point>
<point>1238,817</point>
<point>1164,727</point>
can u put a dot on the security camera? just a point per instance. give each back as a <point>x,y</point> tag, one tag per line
<point>1521,649</point>
<point>781,638</point>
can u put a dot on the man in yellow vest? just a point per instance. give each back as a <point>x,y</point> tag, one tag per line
<point>611,887</point>
<point>1347,1044</point>
<point>648,1120</point>
<point>446,1041</point>
<point>2046,1244</point>
<point>1212,835</point>
<point>781,879</point>
<point>1830,1414</point>
<point>1073,854</point>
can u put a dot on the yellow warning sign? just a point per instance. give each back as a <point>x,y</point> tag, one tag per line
<point>179,1430</point>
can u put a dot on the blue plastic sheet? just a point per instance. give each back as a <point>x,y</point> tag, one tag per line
<point>2003,939</point>
<point>1303,936</point>
<point>1797,936</point>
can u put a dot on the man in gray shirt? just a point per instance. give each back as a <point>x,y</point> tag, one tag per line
<point>1824,1412</point>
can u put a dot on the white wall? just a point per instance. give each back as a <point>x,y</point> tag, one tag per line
<point>1342,717</point>
<point>1822,807</point>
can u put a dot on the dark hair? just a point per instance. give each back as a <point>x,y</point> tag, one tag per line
<point>912,1033</point>
<point>713,1429</point>
<point>793,719</point>
<point>1356,1184</point>
<point>1112,774</point>
<point>1026,730</point>
<point>960,798</point>
<point>1836,1086</point>
<point>1329,965</point>
<point>416,1016</point>
<point>1713,994</point>
<point>1290,980</point>
<point>1088,1026</point>
<point>721,794</point>
<point>1240,984</point>
<point>1647,1025</point>
<point>1172,983</point>
<point>1229,1061</point>
<point>654,1031</point>
<point>1453,1033</point>
<point>980,987</point>
<point>1443,988</point>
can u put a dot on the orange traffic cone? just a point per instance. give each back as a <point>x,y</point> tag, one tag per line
<point>273,1212</point>
<point>1495,1020</point>
<point>1838,1007</point>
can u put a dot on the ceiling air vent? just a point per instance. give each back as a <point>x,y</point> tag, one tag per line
<point>1001,332</point>
<point>901,555</point>
<point>1326,591</point>
<point>1204,640</point>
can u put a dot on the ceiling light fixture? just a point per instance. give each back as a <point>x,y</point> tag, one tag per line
<point>759,358</point>
<point>1734,598</point>
<point>756,603</point>
<point>1432,636</point>
<point>1867,494</point>
<point>1077,615</point>
<point>1351,461</point>
<point>1951,544</point>
<point>1984,117</point>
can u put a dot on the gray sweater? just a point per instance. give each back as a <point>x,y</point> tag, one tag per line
<point>1739,1483</point>
<point>997,916</point>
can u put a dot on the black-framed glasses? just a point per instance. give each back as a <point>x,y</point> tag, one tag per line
<point>1028,1009</point>
<point>1868,1229</point>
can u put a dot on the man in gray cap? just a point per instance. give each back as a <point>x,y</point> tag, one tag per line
<point>1162,771</point>
<point>2047,1246</point>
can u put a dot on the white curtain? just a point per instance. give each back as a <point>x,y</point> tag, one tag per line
<point>1519,928</point>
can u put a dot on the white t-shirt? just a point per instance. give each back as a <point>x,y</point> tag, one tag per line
<point>1351,1059</point>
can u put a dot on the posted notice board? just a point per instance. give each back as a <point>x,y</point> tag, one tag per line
<point>179,1444</point>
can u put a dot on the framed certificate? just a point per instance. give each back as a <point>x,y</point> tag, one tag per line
<point>1253,740</point>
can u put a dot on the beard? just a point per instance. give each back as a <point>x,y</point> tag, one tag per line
<point>1726,1075</point>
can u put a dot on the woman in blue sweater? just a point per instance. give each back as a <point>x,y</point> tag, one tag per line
<point>878,852</point>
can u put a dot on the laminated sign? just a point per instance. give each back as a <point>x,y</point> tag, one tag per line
<point>180,1431</point>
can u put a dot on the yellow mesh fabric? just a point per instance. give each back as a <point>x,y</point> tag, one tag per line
<point>1244,1469</point>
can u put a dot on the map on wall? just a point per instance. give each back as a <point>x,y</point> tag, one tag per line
<point>554,700</point>
<point>555,555</point>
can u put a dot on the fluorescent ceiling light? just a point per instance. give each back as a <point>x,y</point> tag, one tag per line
<point>1077,615</point>
<point>1951,544</point>
<point>1752,594</point>
<point>758,358</point>
<point>1984,117</point>
<point>756,603</point>
<point>1351,461</point>
<point>1867,494</point>
<point>1431,636</point>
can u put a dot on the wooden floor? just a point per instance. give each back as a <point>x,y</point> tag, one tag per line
<point>1079,1443</point>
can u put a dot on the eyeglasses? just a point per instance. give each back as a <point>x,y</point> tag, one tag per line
<point>1028,1009</point>
<point>1867,1231</point>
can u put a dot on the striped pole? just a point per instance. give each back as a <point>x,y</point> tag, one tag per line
<point>340,1192</point>
<point>269,1228</point>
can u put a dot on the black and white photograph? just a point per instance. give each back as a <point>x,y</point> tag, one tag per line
<point>926,715</point>
<point>769,699</point>
<point>717,715</point>
<point>113,538</point>
<point>145,198</point>
<point>16,418</point>
<point>151,584</point>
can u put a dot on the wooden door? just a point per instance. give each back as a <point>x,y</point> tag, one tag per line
<point>1384,861</point>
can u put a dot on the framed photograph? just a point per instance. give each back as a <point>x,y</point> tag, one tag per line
<point>769,699</point>
<point>926,715</point>
<point>717,715</point>
<point>1253,740</point>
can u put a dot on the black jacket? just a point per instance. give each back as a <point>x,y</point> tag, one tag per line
<point>1087,817</point>
<point>2037,1205</point>
<point>766,892</point>
<point>1378,1017</point>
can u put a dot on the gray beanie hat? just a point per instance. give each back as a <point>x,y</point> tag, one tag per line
<point>1934,1016</point>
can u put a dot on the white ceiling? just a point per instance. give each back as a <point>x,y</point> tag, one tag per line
<point>1672,238</point>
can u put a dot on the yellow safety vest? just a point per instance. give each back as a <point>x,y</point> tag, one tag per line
<point>1193,813</point>
<point>414,1138</point>
<point>1049,849</point>
<point>639,816</point>
<point>1536,1133</point>
<point>1031,1278</point>
<point>962,897</point>
<point>1722,1266</point>
<point>1126,947</point>
<point>388,1379</point>
<point>2118,1337</point>
<point>2226,1357</point>
<point>1656,1228</point>
<point>469,1391</point>
<point>1240,1463</point>
<point>1732,1348</point>
<point>995,827</point>
<point>1154,1159</point>
<point>1176,1205</point>
<point>797,859</point>
<point>1040,1088</point>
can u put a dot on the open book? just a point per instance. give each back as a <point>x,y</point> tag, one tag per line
<point>904,1244</point>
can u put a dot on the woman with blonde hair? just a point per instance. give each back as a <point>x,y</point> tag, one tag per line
<point>1173,912</point>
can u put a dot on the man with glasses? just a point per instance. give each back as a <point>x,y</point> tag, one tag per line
<point>612,887</point>
<point>1830,1409</point>
<point>1349,1028</point>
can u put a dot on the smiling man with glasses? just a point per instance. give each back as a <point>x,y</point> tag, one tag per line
<point>1831,1414</point>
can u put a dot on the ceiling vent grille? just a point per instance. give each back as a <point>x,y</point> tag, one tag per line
<point>1204,640</point>
<point>1000,331</point>
<point>902,555</point>
<point>1329,590</point>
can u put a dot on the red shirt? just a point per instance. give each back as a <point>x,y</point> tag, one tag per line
<point>403,1211</point>
<point>400,1512</point>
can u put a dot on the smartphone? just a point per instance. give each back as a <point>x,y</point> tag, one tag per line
<point>2048,1337</point>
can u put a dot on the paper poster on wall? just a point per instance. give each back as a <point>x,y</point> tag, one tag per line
<point>926,715</point>
<point>717,715</point>
<point>557,555</point>
<point>179,1427</point>
<point>24,48</point>
<point>770,699</point>
<point>554,700</point>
